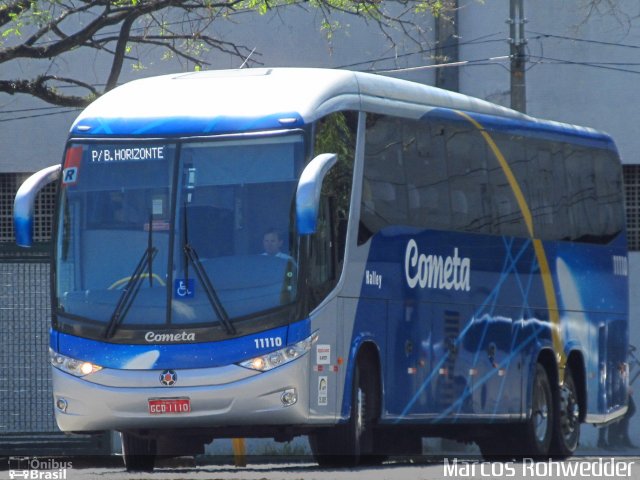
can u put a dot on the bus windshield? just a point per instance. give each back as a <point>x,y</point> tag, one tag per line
<point>192,233</point>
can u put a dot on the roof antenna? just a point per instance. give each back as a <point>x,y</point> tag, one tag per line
<point>248,57</point>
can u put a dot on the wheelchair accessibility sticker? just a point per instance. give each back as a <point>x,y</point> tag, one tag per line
<point>184,288</point>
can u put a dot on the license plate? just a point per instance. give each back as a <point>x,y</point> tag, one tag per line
<point>161,406</point>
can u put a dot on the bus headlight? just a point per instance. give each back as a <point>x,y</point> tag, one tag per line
<point>72,365</point>
<point>280,357</point>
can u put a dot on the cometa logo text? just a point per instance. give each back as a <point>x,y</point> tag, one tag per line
<point>434,271</point>
<point>153,337</point>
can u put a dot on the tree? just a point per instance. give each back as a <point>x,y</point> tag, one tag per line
<point>623,12</point>
<point>54,30</point>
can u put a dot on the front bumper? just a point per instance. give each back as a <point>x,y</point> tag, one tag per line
<point>118,399</point>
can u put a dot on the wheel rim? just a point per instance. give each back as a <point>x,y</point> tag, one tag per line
<point>360,412</point>
<point>570,411</point>
<point>541,412</point>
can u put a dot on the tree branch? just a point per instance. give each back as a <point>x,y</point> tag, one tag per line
<point>121,50</point>
<point>38,88</point>
<point>9,11</point>
<point>54,28</point>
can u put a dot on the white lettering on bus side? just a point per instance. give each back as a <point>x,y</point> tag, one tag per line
<point>433,271</point>
<point>127,154</point>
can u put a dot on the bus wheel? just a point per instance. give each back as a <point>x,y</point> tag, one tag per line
<point>566,432</point>
<point>351,444</point>
<point>538,431</point>
<point>139,453</point>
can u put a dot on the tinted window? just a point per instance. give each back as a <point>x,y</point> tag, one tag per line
<point>441,175</point>
<point>335,133</point>
<point>468,180</point>
<point>384,188</point>
<point>426,172</point>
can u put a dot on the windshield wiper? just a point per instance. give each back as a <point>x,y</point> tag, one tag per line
<point>130,292</point>
<point>209,289</point>
<point>133,285</point>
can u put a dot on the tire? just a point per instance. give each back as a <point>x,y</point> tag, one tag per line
<point>352,444</point>
<point>538,430</point>
<point>139,453</point>
<point>566,428</point>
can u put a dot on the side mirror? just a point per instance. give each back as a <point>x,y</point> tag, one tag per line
<point>25,201</point>
<point>308,193</point>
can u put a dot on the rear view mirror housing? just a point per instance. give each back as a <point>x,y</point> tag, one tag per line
<point>308,192</point>
<point>24,202</point>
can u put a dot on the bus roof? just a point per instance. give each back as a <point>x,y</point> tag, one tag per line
<point>227,101</point>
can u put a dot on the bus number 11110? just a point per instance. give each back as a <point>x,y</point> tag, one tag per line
<point>268,342</point>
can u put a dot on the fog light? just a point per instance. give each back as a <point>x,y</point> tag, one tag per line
<point>61,404</point>
<point>289,397</point>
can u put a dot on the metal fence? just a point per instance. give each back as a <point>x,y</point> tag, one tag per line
<point>27,424</point>
<point>25,380</point>
<point>632,196</point>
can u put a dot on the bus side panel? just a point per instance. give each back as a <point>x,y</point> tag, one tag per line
<point>326,381</point>
<point>592,285</point>
<point>454,346</point>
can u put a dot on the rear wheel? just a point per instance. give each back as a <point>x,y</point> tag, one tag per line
<point>538,432</point>
<point>139,453</point>
<point>566,432</point>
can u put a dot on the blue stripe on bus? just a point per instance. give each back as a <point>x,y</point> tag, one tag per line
<point>532,129</point>
<point>172,126</point>
<point>183,355</point>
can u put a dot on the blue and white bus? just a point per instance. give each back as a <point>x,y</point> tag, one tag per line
<point>360,259</point>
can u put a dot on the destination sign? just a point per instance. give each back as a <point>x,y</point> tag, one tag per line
<point>126,154</point>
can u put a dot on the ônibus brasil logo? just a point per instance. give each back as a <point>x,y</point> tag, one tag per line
<point>434,271</point>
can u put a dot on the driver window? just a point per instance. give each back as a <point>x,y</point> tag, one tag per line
<point>322,261</point>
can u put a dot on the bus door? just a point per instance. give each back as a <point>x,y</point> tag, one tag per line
<point>326,375</point>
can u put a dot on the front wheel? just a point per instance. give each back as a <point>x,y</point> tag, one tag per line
<point>352,443</point>
<point>139,453</point>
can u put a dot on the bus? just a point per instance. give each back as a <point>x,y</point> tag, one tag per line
<point>360,259</point>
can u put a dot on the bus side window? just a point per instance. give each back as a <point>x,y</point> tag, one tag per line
<point>507,215</point>
<point>582,193</point>
<point>322,253</point>
<point>468,180</point>
<point>384,189</point>
<point>336,133</point>
<point>609,191</point>
<point>426,171</point>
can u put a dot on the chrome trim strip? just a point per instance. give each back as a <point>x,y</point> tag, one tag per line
<point>603,419</point>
